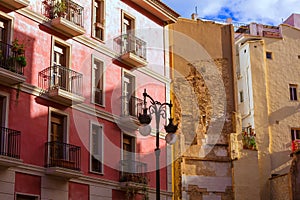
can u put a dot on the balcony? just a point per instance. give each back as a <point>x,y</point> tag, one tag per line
<point>66,16</point>
<point>62,159</point>
<point>12,65</point>
<point>62,84</point>
<point>131,107</point>
<point>133,174</point>
<point>132,50</point>
<point>15,4</point>
<point>158,9</point>
<point>10,141</point>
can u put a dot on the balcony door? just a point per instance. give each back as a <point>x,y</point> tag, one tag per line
<point>128,94</point>
<point>4,40</point>
<point>3,135</point>
<point>57,137</point>
<point>128,33</point>
<point>59,71</point>
<point>128,153</point>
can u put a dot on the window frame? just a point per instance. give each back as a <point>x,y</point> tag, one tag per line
<point>37,197</point>
<point>132,77</point>
<point>131,18</point>
<point>294,133</point>
<point>92,123</point>
<point>134,145</point>
<point>293,94</point>
<point>5,112</point>
<point>101,23</point>
<point>66,123</point>
<point>68,47</point>
<point>94,58</point>
<point>10,25</point>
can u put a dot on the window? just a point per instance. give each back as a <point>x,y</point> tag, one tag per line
<point>295,133</point>
<point>129,101</point>
<point>293,92</point>
<point>128,25</point>
<point>98,81</point>
<point>269,55</point>
<point>241,96</point>
<point>3,109</point>
<point>98,19</point>
<point>96,148</point>
<point>60,64</point>
<point>5,30</point>
<point>26,197</point>
<point>128,147</point>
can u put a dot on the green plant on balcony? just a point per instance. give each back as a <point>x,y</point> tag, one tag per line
<point>248,140</point>
<point>18,48</point>
<point>59,9</point>
<point>21,60</point>
<point>55,9</point>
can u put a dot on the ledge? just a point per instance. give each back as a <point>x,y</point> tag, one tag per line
<point>64,97</point>
<point>6,161</point>
<point>63,172</point>
<point>133,60</point>
<point>15,4</point>
<point>11,78</point>
<point>67,27</point>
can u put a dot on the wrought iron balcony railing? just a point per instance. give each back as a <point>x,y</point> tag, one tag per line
<point>61,77</point>
<point>132,106</point>
<point>12,59</point>
<point>64,8</point>
<point>63,155</point>
<point>10,142</point>
<point>129,43</point>
<point>133,171</point>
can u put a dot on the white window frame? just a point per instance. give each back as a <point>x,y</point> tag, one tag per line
<point>100,24</point>
<point>93,81</point>
<point>124,72</point>
<point>91,146</point>
<point>68,51</point>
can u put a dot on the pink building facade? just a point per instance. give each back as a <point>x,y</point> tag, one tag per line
<point>72,75</point>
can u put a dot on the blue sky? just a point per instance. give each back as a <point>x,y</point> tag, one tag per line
<point>244,11</point>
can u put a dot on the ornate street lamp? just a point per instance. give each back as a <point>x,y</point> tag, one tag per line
<point>158,110</point>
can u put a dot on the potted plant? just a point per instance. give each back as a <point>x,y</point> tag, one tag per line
<point>17,47</point>
<point>59,9</point>
<point>21,60</point>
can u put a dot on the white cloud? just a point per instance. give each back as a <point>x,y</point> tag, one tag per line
<point>262,11</point>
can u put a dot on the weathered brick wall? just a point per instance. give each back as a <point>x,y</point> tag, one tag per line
<point>280,188</point>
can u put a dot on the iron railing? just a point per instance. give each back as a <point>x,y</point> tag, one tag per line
<point>66,9</point>
<point>133,171</point>
<point>10,142</point>
<point>11,59</point>
<point>132,106</point>
<point>61,77</point>
<point>63,155</point>
<point>130,43</point>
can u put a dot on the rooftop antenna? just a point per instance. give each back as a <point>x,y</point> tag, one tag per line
<point>196,10</point>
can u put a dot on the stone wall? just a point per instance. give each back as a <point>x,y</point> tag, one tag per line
<point>281,187</point>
